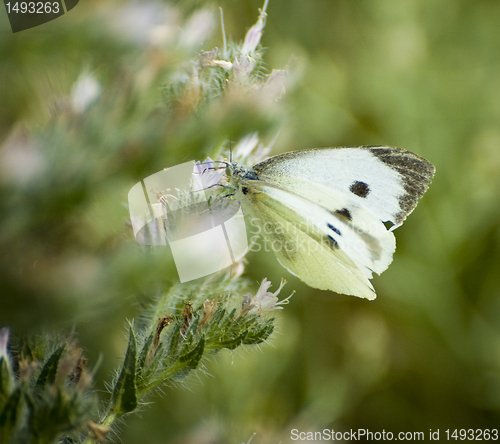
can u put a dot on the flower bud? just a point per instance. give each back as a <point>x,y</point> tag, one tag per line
<point>254,34</point>
<point>6,375</point>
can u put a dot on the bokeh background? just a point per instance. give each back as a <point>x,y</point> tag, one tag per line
<point>420,74</point>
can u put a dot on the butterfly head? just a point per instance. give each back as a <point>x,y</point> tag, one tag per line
<point>240,173</point>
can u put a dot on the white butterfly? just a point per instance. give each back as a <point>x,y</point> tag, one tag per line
<point>325,211</point>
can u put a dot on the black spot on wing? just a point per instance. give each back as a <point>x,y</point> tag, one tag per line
<point>331,242</point>
<point>244,190</point>
<point>343,213</point>
<point>335,230</point>
<point>360,189</point>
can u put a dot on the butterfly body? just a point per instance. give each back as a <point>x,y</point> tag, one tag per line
<point>324,211</point>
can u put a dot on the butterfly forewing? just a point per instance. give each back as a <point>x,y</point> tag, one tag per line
<point>385,181</point>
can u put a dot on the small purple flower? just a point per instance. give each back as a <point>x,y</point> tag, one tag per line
<point>245,64</point>
<point>265,300</point>
<point>205,175</point>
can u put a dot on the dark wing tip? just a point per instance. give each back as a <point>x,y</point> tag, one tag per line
<point>416,173</point>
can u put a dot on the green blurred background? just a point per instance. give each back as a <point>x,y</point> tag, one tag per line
<point>420,74</point>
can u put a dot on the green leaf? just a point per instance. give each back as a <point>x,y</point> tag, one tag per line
<point>190,360</point>
<point>174,340</point>
<point>213,325</point>
<point>9,416</point>
<point>124,398</point>
<point>193,326</point>
<point>6,378</point>
<point>144,352</point>
<point>193,357</point>
<point>218,315</point>
<point>232,343</point>
<point>257,336</point>
<point>49,370</point>
<point>226,322</point>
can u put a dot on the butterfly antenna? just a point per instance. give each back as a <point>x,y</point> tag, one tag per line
<point>220,198</point>
<point>219,161</point>
<point>230,152</point>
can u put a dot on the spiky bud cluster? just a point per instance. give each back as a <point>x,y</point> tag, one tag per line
<point>49,394</point>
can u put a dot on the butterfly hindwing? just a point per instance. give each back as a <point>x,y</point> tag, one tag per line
<point>324,249</point>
